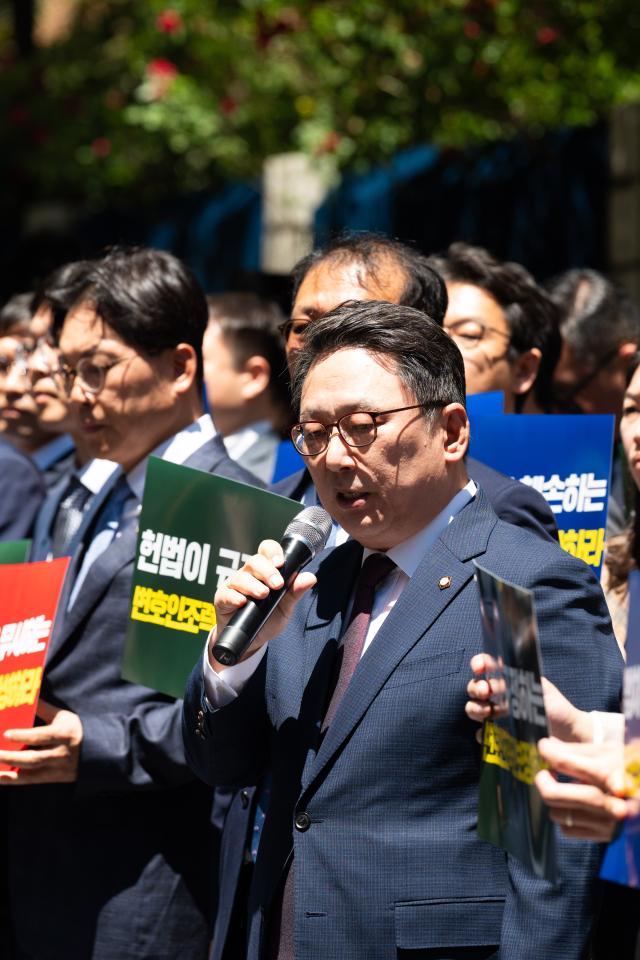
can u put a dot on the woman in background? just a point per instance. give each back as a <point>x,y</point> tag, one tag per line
<point>623,550</point>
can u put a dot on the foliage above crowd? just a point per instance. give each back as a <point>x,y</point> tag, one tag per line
<point>148,99</point>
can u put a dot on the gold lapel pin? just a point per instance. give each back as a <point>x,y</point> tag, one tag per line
<point>444,582</point>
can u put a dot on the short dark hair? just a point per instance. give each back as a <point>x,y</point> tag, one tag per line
<point>250,325</point>
<point>596,315</point>
<point>150,298</point>
<point>424,288</point>
<point>426,360</point>
<point>530,312</point>
<point>15,315</point>
<point>60,289</point>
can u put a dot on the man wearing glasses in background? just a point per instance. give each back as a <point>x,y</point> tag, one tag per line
<point>73,497</point>
<point>110,840</point>
<point>45,441</point>
<point>504,324</point>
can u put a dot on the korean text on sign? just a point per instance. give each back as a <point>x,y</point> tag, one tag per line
<point>25,636</point>
<point>579,492</point>
<point>175,557</point>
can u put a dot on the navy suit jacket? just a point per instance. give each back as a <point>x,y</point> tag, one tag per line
<point>119,864</point>
<point>387,858</point>
<point>21,492</point>
<point>512,501</point>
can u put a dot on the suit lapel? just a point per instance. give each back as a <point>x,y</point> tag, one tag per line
<point>419,606</point>
<point>209,456</point>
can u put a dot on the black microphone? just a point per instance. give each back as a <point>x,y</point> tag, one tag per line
<point>305,536</point>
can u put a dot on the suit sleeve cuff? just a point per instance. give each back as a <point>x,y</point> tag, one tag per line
<point>223,688</point>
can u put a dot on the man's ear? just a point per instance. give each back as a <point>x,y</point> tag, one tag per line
<point>185,367</point>
<point>524,370</point>
<point>456,424</point>
<point>257,377</point>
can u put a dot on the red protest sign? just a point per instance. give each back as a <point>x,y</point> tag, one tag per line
<point>30,594</point>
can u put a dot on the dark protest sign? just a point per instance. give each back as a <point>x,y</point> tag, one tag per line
<point>195,530</point>
<point>511,813</point>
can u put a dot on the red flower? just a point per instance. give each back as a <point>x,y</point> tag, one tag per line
<point>162,68</point>
<point>101,147</point>
<point>169,21</point>
<point>471,29</point>
<point>160,76</point>
<point>547,35</point>
<point>228,106</point>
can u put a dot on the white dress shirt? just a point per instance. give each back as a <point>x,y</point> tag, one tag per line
<point>222,688</point>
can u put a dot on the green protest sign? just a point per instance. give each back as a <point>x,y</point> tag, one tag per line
<point>14,551</point>
<point>195,529</point>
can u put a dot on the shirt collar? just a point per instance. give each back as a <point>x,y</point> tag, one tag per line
<point>408,554</point>
<point>94,474</point>
<point>239,442</point>
<point>175,449</point>
<point>52,451</point>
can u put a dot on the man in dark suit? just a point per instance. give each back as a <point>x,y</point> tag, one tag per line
<point>353,692</point>
<point>111,847</point>
<point>368,267</point>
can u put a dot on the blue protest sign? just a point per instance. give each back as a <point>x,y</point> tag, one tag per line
<point>622,859</point>
<point>288,461</point>
<point>567,458</point>
<point>485,403</point>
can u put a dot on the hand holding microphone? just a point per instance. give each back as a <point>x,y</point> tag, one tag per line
<point>255,603</point>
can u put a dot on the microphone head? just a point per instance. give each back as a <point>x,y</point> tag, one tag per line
<point>313,525</point>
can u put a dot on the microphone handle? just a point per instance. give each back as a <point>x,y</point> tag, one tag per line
<point>249,619</point>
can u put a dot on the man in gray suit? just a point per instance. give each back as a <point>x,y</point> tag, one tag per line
<point>110,837</point>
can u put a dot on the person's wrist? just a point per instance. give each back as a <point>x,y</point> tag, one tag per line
<point>213,663</point>
<point>582,727</point>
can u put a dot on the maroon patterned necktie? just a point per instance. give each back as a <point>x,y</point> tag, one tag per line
<point>375,568</point>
